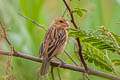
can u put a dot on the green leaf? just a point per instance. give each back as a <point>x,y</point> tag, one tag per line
<point>116,37</point>
<point>84,10</point>
<point>116,62</point>
<point>94,46</point>
<point>77,34</point>
<point>97,59</point>
<point>97,41</point>
<point>79,12</point>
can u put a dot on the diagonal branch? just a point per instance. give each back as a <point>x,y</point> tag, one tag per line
<point>5,34</point>
<point>77,39</point>
<point>65,66</point>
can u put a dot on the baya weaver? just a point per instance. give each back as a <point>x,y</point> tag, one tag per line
<point>54,42</point>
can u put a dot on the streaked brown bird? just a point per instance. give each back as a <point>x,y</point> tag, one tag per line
<point>54,42</point>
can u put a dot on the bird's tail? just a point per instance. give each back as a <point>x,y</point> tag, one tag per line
<point>45,67</point>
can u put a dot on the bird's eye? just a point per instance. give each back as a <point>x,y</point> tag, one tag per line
<point>61,21</point>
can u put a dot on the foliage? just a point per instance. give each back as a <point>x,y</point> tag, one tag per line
<point>95,45</point>
<point>79,12</point>
<point>116,62</point>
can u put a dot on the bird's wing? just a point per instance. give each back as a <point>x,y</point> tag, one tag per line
<point>46,42</point>
<point>41,50</point>
<point>57,40</point>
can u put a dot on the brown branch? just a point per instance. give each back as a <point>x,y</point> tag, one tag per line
<point>77,39</point>
<point>65,66</point>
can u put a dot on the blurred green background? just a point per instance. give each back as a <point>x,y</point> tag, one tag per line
<point>27,37</point>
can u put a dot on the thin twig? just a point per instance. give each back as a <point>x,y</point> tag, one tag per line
<point>83,76</point>
<point>59,74</point>
<point>52,73</point>
<point>42,27</point>
<point>64,12</point>
<point>70,12</point>
<point>86,75</point>
<point>66,9</point>
<point>71,58</point>
<point>77,39</point>
<point>60,60</point>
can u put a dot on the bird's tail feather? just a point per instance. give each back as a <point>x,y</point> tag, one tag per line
<point>45,67</point>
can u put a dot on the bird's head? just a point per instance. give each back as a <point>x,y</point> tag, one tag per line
<point>60,22</point>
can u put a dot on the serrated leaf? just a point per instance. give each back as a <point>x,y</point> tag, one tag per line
<point>94,46</point>
<point>116,62</point>
<point>80,12</point>
<point>94,40</point>
<point>116,37</point>
<point>84,10</point>
<point>77,34</point>
<point>98,61</point>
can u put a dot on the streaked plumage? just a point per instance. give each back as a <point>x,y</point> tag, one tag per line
<point>54,42</point>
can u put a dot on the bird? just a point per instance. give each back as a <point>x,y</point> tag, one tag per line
<point>54,42</point>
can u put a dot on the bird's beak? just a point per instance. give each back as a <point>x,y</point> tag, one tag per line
<point>67,22</point>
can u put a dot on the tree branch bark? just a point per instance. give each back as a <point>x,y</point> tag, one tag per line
<point>65,66</point>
